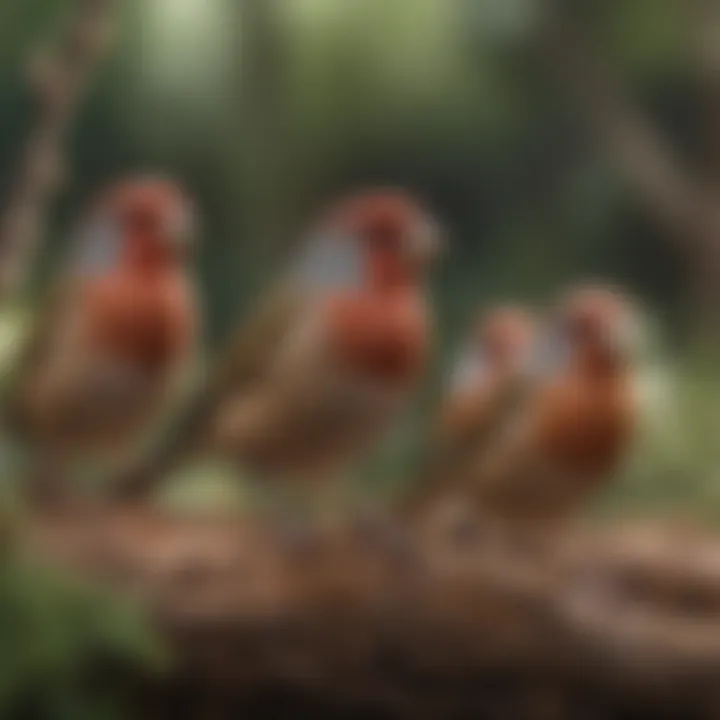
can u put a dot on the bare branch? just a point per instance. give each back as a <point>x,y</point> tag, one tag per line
<point>683,206</point>
<point>647,162</point>
<point>59,77</point>
<point>703,37</point>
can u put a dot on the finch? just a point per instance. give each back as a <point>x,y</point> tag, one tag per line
<point>118,331</point>
<point>575,427</point>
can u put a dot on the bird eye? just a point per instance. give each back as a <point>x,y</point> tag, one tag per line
<point>181,227</point>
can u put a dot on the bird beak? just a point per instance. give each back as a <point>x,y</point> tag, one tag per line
<point>182,231</point>
<point>425,244</point>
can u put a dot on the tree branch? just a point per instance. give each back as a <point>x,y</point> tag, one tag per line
<point>645,159</point>
<point>609,622</point>
<point>703,21</point>
<point>59,78</point>
<point>683,206</point>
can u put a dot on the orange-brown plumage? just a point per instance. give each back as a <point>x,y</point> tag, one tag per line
<point>120,326</point>
<point>146,324</point>
<point>576,427</point>
<point>384,337</point>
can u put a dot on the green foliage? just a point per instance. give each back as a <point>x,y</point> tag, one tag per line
<point>67,650</point>
<point>675,468</point>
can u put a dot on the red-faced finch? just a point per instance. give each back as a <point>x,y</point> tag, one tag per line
<point>576,426</point>
<point>118,331</point>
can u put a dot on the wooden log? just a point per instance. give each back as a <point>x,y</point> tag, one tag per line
<point>600,623</point>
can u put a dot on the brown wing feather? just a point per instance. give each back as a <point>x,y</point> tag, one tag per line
<point>48,321</point>
<point>246,359</point>
<point>452,456</point>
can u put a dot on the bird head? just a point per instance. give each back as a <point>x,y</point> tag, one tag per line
<point>600,324</point>
<point>505,335</point>
<point>152,220</point>
<point>501,342</point>
<point>396,237</point>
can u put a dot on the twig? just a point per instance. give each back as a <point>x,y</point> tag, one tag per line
<point>646,160</point>
<point>59,78</point>
<point>683,206</point>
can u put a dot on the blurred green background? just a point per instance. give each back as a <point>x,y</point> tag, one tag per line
<point>450,98</point>
<point>265,108</point>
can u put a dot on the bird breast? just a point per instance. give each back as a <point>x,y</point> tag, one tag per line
<point>147,326</point>
<point>587,429</point>
<point>379,339</point>
<point>311,378</point>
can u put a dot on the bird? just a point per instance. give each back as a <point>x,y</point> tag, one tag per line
<point>576,425</point>
<point>330,357</point>
<point>487,380</point>
<point>117,333</point>
<point>484,375</point>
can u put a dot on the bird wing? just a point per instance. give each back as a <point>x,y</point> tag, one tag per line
<point>481,421</point>
<point>511,460</point>
<point>325,264</point>
<point>57,322</point>
<point>249,357</point>
<point>473,400</point>
<point>503,480</point>
<point>479,424</point>
<point>53,323</point>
